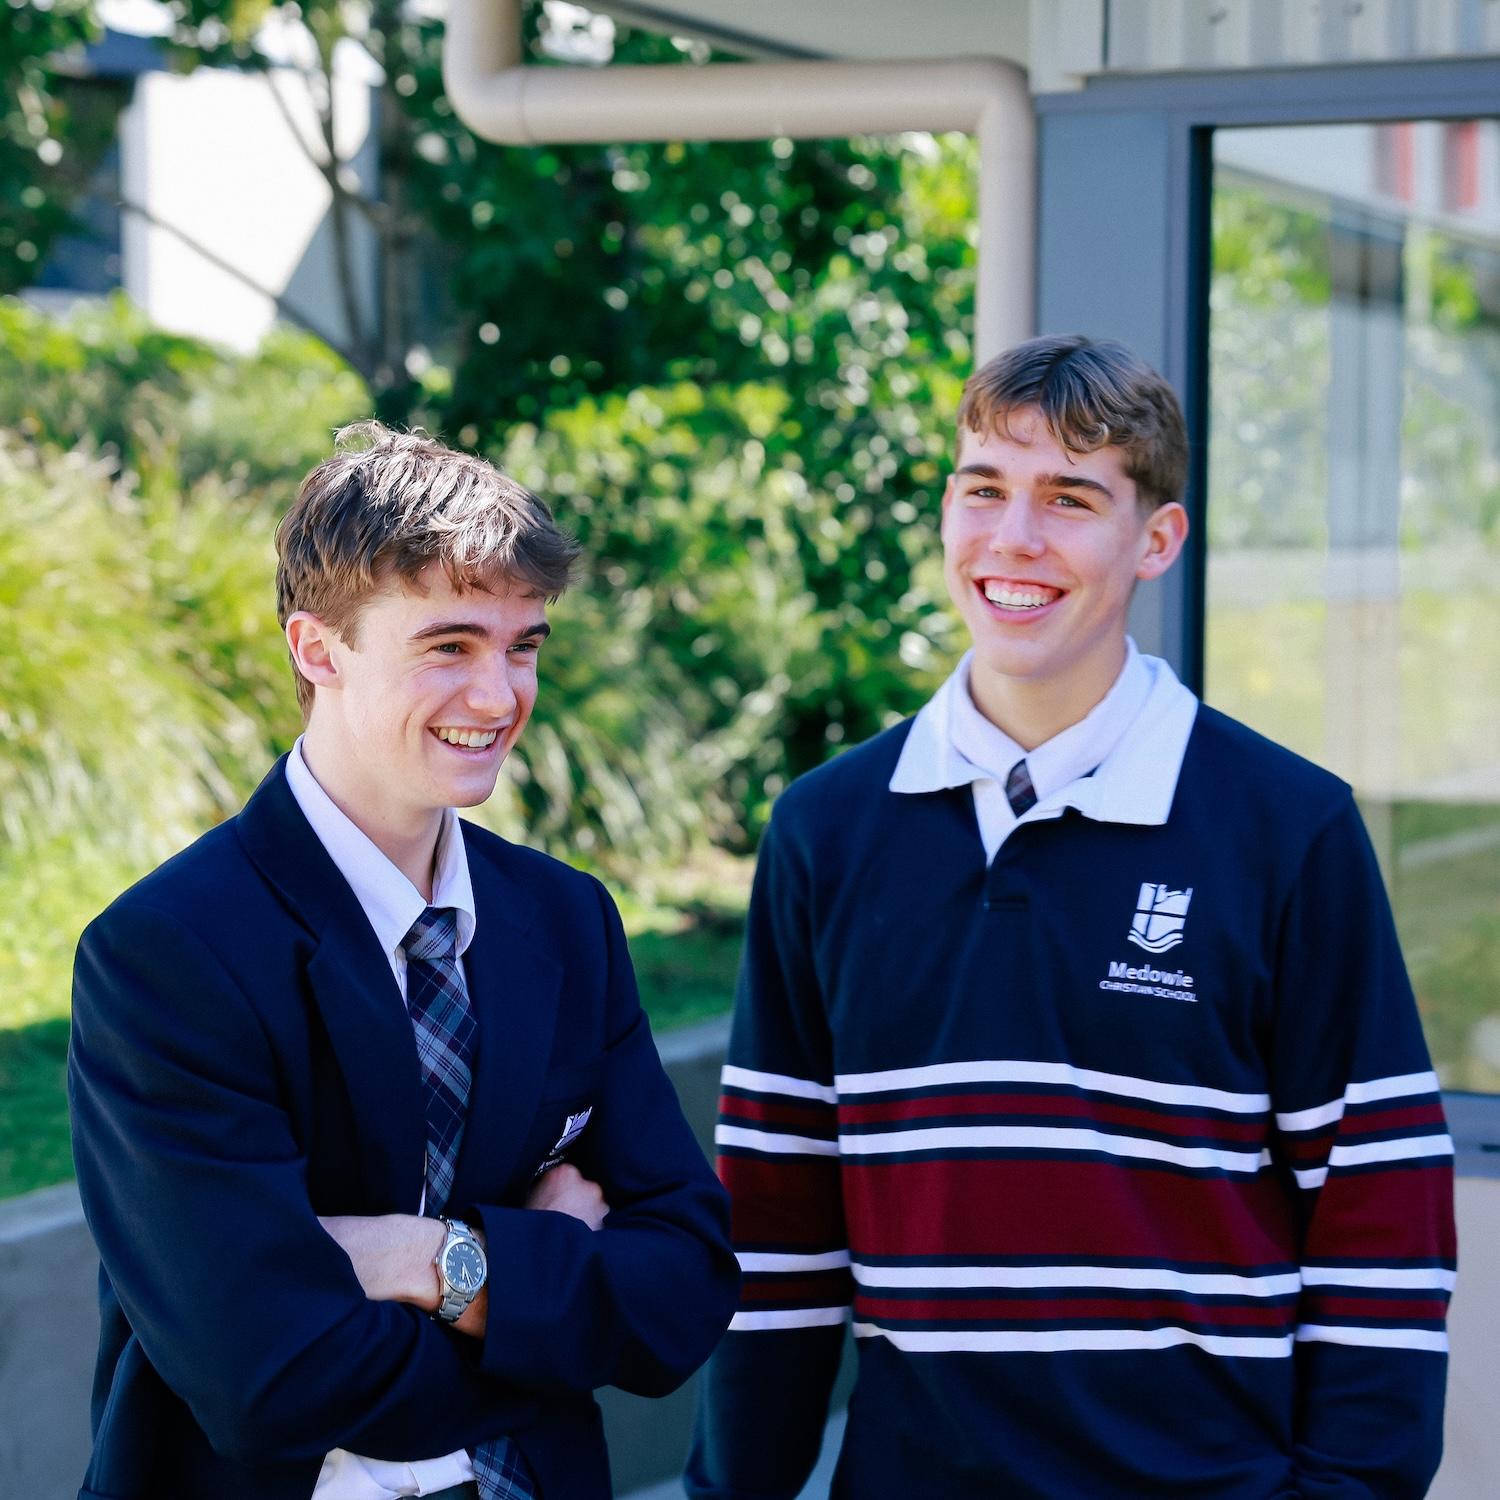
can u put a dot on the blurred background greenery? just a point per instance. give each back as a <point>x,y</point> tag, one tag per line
<point>732,370</point>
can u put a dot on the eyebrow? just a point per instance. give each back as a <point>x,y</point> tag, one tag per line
<point>539,631</point>
<point>1044,481</point>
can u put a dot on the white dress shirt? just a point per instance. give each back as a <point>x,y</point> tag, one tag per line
<point>1118,764</point>
<point>392,903</point>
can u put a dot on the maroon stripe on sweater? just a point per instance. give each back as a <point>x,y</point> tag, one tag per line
<point>1058,1105</point>
<point>787,1203</point>
<point>820,1289</point>
<point>1109,1311</point>
<point>1309,1150</point>
<point>1065,1207</point>
<point>1392,1119</point>
<point>809,1116</point>
<point>1390,1215</point>
<point>1376,1309</point>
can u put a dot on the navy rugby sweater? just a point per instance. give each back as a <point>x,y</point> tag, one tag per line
<point>1131,1195</point>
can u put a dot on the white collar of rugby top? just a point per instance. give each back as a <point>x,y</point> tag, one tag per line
<point>1136,736</point>
<point>389,899</point>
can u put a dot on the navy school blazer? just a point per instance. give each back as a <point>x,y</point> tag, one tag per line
<point>242,1062</point>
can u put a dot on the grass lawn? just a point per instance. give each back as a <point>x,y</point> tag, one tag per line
<point>33,1111</point>
<point>685,940</point>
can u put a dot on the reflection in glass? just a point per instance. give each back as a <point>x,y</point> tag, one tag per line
<point>1353,591</point>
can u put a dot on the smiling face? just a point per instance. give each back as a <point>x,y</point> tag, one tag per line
<point>1042,549</point>
<point>420,712</point>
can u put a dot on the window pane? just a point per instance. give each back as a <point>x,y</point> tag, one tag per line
<point>1353,589</point>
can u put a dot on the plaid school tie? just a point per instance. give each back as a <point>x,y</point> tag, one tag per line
<point>1019,791</point>
<point>443,1019</point>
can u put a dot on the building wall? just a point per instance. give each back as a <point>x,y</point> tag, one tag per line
<point>230,212</point>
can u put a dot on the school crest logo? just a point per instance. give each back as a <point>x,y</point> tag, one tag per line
<point>1160,916</point>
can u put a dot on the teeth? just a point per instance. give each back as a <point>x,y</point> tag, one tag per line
<point>1019,598</point>
<point>472,739</point>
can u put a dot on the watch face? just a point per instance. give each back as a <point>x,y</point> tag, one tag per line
<point>463,1265</point>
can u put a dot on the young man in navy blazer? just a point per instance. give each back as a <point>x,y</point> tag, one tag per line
<point>1074,1052</point>
<point>385,1174</point>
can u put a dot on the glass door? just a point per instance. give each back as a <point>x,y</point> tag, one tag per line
<point>1353,579</point>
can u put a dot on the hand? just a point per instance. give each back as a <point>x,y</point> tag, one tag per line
<point>392,1254</point>
<point>565,1190</point>
<point>395,1258</point>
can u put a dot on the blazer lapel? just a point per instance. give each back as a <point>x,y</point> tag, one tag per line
<point>376,1051</point>
<point>513,985</point>
<point>355,993</point>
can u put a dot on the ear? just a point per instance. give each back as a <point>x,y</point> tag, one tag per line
<point>310,642</point>
<point>1166,531</point>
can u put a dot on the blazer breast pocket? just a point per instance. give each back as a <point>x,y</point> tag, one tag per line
<point>563,1117</point>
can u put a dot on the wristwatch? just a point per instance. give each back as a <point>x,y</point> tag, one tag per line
<point>462,1270</point>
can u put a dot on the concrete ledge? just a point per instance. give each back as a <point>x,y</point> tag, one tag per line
<point>49,1330</point>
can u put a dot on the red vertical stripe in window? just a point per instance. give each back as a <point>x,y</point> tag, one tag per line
<point>1461,166</point>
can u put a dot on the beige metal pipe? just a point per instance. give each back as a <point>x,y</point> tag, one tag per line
<point>501,99</point>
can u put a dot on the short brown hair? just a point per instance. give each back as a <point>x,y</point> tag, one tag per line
<point>1092,393</point>
<point>390,504</point>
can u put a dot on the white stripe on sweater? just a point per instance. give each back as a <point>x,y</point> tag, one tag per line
<point>938,1075</point>
<point>774,1142</point>
<point>765,1260</point>
<point>1144,1278</point>
<point>776,1083</point>
<point>1007,1341</point>
<point>1375,1338</point>
<point>787,1317</point>
<point>1421,1279</point>
<point>1042,1138</point>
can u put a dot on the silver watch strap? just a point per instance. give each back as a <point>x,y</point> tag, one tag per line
<point>454,1299</point>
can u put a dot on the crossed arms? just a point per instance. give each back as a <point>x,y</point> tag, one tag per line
<point>394,1255</point>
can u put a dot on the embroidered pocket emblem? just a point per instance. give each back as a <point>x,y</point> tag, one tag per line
<point>572,1129</point>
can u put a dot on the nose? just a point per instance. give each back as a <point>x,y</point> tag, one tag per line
<point>491,693</point>
<point>1016,531</point>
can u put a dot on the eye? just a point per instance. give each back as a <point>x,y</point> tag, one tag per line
<point>449,648</point>
<point>1073,502</point>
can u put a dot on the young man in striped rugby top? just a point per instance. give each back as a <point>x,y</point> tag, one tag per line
<point>1074,1051</point>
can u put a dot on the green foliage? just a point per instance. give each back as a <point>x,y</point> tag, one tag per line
<point>1271,249</point>
<point>106,382</point>
<point>749,608</point>
<point>143,687</point>
<point>39,159</point>
<point>142,692</point>
<point>810,263</point>
<point>733,370</point>
<point>1270,363</point>
<point>138,652</point>
<point>537,277</point>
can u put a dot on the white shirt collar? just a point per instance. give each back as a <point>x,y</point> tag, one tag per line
<point>388,898</point>
<point>1069,754</point>
<point>1136,735</point>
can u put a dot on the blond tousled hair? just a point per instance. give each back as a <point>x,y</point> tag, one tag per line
<point>386,506</point>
